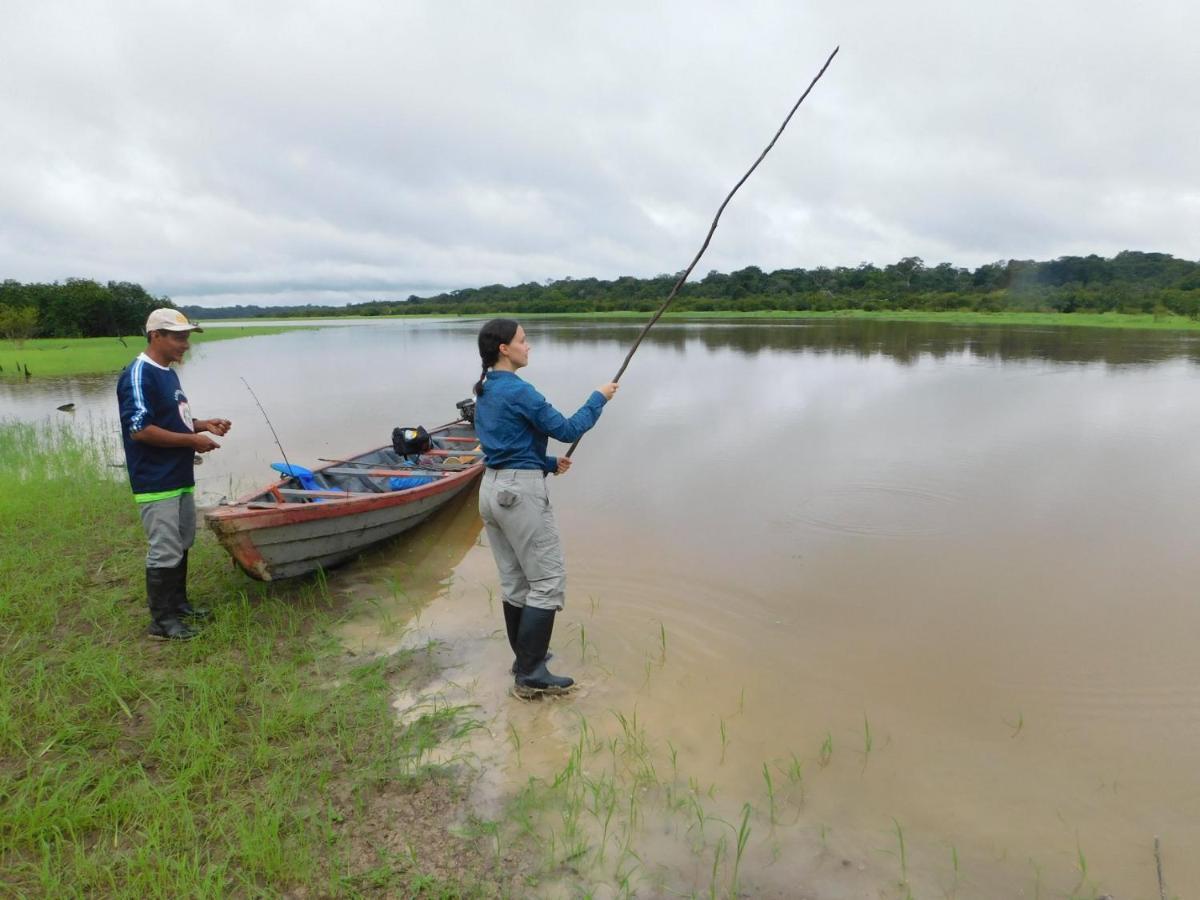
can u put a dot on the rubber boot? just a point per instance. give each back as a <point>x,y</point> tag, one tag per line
<point>512,622</point>
<point>533,639</point>
<point>183,609</point>
<point>160,593</point>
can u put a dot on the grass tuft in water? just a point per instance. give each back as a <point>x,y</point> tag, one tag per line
<point>1081,864</point>
<point>514,738</point>
<point>902,851</point>
<point>770,793</point>
<point>825,755</point>
<point>743,838</point>
<point>1017,725</point>
<point>868,741</point>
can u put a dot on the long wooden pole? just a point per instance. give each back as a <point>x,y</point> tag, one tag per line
<point>717,218</point>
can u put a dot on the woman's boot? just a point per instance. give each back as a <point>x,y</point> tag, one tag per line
<point>512,624</point>
<point>533,640</point>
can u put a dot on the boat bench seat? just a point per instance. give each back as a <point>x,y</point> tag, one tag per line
<point>333,495</point>
<point>385,472</point>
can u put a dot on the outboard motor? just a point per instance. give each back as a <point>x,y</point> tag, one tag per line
<point>466,410</point>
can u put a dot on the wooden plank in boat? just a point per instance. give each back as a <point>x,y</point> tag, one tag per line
<point>387,473</point>
<point>296,492</point>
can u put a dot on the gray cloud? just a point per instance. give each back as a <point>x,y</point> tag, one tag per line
<point>275,152</point>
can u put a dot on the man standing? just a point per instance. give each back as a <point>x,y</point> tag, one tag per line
<point>161,438</point>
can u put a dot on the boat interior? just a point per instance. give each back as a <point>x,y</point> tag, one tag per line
<point>454,449</point>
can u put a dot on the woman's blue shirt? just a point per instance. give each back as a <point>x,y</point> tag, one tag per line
<point>513,422</point>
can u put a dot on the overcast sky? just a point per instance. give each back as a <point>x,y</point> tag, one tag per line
<point>290,152</point>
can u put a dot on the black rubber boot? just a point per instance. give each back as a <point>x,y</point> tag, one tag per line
<point>183,609</point>
<point>160,593</point>
<point>512,622</point>
<point>533,639</point>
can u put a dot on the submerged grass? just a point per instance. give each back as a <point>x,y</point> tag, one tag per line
<point>255,760</point>
<point>623,817</point>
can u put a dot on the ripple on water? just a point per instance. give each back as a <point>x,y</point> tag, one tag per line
<point>1156,710</point>
<point>878,509</point>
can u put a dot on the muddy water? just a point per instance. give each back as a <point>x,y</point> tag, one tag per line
<point>940,581</point>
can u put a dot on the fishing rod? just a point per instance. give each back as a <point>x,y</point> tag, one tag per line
<point>717,218</point>
<point>291,471</point>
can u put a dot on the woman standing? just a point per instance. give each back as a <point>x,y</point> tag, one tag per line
<point>513,421</point>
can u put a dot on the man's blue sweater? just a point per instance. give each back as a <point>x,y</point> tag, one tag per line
<point>150,394</point>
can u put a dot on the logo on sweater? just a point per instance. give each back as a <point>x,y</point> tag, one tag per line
<point>185,411</point>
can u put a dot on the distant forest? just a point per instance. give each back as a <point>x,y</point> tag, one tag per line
<point>77,308</point>
<point>1130,282</point>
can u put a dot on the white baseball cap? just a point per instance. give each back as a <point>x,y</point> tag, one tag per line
<point>169,320</point>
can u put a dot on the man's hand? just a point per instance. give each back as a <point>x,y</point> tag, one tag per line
<point>202,443</point>
<point>564,463</point>
<point>219,427</point>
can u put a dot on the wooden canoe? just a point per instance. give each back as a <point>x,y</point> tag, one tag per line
<point>288,528</point>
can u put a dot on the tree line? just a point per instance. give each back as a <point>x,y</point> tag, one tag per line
<point>1131,282</point>
<point>79,307</point>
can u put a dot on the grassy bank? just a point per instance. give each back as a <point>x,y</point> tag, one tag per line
<point>48,357</point>
<point>256,760</point>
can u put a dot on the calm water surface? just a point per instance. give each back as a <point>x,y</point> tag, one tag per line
<point>963,559</point>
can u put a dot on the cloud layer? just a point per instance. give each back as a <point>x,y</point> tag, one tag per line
<point>282,153</point>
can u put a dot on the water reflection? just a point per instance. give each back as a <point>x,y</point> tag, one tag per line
<point>904,342</point>
<point>390,585</point>
<point>385,343</point>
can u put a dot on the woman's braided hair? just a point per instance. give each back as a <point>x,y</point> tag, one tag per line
<point>491,336</point>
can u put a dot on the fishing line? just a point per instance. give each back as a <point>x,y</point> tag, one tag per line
<point>291,471</point>
<point>688,271</point>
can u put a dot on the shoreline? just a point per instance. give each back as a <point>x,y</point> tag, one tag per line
<point>1127,321</point>
<point>61,357</point>
<point>275,754</point>
<point>261,757</point>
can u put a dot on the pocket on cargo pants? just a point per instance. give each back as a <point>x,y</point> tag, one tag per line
<point>544,563</point>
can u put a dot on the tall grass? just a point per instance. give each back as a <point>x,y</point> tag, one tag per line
<point>238,763</point>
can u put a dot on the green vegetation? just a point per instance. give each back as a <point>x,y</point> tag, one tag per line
<point>1131,290</point>
<point>1152,284</point>
<point>257,760</point>
<point>45,357</point>
<point>79,307</point>
<point>901,853</point>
